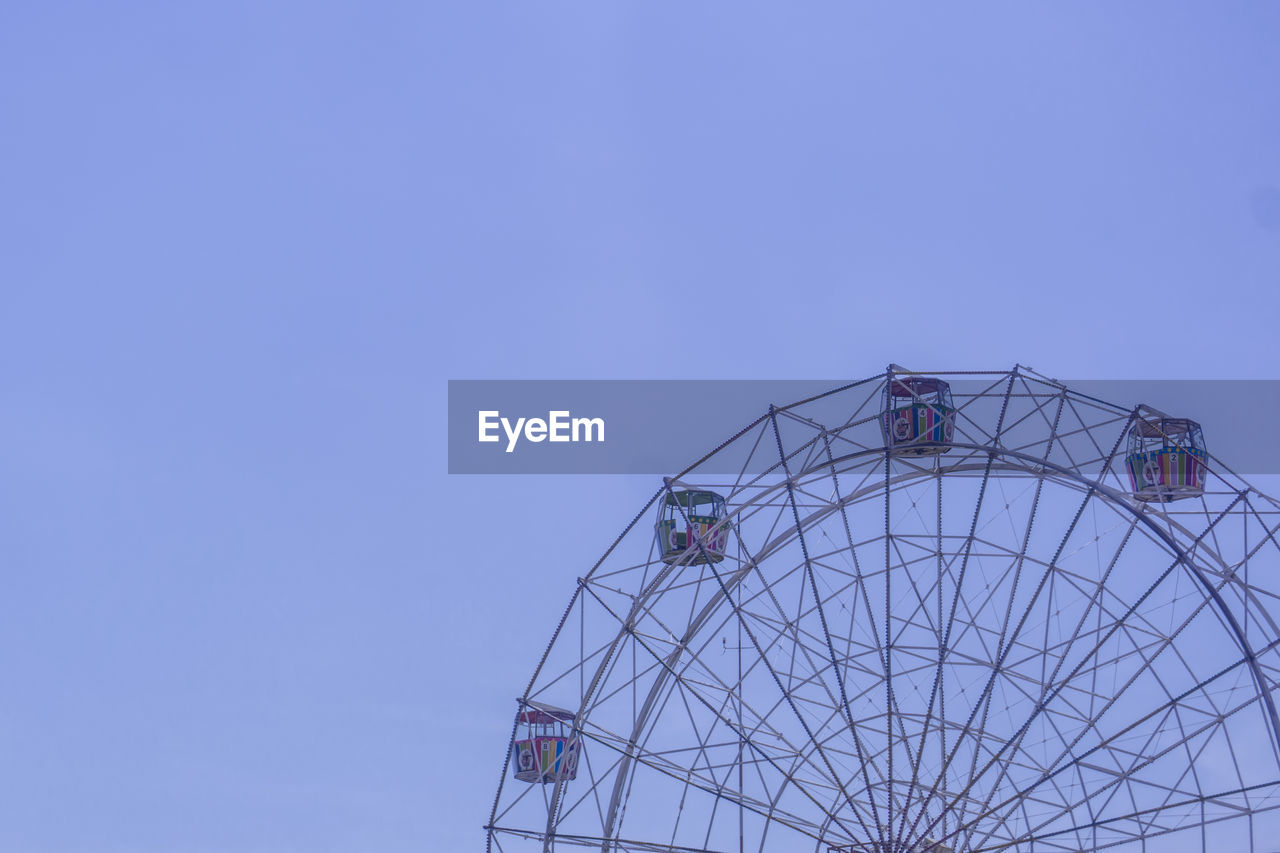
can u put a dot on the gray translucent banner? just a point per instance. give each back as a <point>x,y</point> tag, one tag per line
<point>660,427</point>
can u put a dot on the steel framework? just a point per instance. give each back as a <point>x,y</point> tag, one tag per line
<point>994,648</point>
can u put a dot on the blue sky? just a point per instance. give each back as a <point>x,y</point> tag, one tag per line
<point>244,246</point>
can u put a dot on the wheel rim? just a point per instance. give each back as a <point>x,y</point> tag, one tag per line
<point>973,667</point>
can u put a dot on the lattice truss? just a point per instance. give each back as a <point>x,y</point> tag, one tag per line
<point>995,648</point>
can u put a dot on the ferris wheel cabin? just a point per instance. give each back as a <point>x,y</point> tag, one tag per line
<point>1167,460</point>
<point>692,527</point>
<point>919,417</point>
<point>545,748</point>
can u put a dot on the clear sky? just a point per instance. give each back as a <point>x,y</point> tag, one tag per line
<point>244,245</point>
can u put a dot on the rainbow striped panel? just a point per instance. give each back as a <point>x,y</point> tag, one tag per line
<point>1170,467</point>
<point>920,422</point>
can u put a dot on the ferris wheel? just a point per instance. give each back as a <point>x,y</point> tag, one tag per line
<point>921,612</point>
